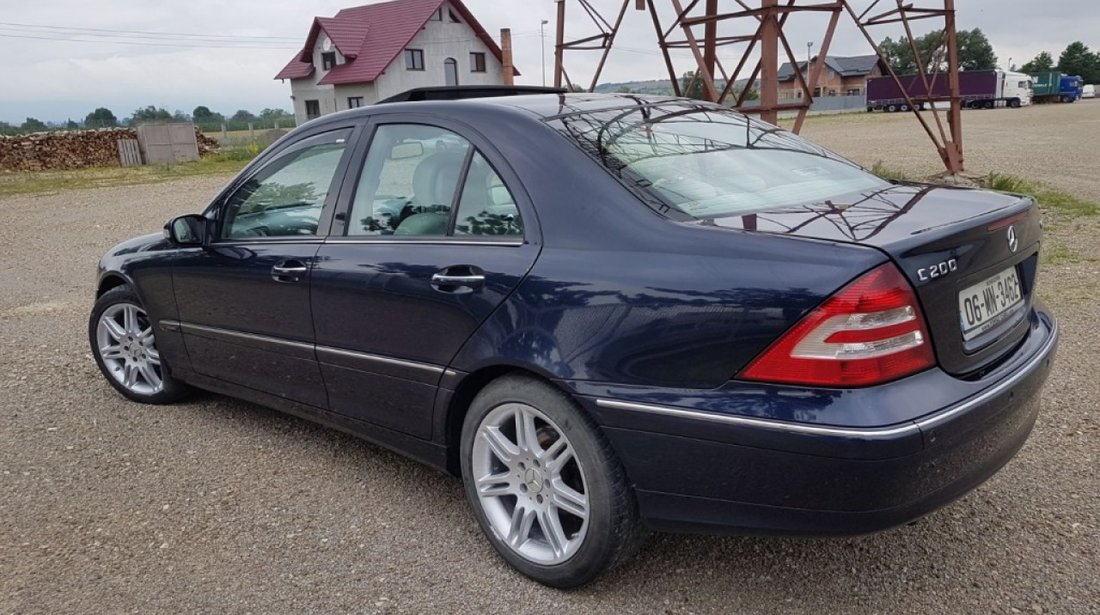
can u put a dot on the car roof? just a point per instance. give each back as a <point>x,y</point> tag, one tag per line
<point>542,106</point>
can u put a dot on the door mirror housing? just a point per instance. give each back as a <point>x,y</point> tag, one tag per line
<point>189,230</point>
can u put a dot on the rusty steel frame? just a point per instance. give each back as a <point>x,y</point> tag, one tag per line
<point>767,23</point>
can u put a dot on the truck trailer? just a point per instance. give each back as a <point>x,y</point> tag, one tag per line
<point>1057,87</point>
<point>978,89</point>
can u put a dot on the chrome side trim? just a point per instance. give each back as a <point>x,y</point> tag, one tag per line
<point>999,388</point>
<point>301,349</point>
<point>745,421</point>
<point>441,242</point>
<point>353,354</point>
<point>850,432</point>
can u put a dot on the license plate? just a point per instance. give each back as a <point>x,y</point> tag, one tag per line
<point>989,303</point>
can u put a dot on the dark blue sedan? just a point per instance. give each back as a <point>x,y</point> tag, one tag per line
<point>603,313</point>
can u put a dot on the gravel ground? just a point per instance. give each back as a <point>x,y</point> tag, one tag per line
<point>221,506</point>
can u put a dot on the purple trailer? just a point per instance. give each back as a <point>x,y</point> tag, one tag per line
<point>979,89</point>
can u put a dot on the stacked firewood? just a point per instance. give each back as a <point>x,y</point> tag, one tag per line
<point>207,145</point>
<point>73,149</point>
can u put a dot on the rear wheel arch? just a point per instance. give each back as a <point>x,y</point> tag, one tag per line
<point>467,390</point>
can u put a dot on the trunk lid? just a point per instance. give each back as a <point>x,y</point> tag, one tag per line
<point>944,240</point>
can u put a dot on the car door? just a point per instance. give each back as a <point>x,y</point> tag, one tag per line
<point>433,238</point>
<point>244,297</point>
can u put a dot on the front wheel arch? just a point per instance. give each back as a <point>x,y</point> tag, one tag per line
<point>108,282</point>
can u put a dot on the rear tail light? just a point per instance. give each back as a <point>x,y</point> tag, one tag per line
<point>871,331</point>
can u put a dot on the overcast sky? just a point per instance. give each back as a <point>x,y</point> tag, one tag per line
<point>48,75</point>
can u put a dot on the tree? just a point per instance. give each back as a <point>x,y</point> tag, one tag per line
<point>71,125</point>
<point>203,113</point>
<point>180,116</point>
<point>101,118</point>
<point>1078,60</point>
<point>1042,63</point>
<point>33,125</point>
<point>150,114</point>
<point>7,129</point>
<point>975,52</point>
<point>243,115</point>
<point>274,114</point>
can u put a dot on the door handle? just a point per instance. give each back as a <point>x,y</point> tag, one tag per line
<point>458,279</point>
<point>289,271</point>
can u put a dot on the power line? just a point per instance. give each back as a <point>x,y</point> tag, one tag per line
<point>209,45</point>
<point>146,34</point>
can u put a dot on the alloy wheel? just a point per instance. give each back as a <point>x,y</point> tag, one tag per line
<point>125,343</point>
<point>530,484</point>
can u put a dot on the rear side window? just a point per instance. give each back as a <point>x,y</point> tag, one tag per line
<point>426,181</point>
<point>487,206</point>
<point>409,181</point>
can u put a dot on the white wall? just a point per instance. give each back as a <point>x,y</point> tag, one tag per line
<point>441,40</point>
<point>438,39</point>
<point>302,90</point>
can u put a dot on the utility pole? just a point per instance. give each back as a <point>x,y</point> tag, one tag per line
<point>542,39</point>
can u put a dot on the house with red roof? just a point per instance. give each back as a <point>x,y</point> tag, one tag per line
<point>368,53</point>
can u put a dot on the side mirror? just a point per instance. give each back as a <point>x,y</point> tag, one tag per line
<point>189,230</point>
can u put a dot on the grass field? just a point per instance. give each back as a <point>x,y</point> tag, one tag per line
<point>52,182</point>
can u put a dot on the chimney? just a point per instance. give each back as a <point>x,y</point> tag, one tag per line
<point>506,55</point>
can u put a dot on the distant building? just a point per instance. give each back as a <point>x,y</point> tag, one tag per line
<point>368,53</point>
<point>842,76</point>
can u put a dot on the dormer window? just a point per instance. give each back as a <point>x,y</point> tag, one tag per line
<point>328,60</point>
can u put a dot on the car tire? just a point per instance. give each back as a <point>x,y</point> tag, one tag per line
<point>514,498</point>
<point>126,351</point>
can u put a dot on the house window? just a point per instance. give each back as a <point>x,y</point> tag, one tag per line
<point>450,71</point>
<point>454,18</point>
<point>437,15</point>
<point>313,109</point>
<point>414,59</point>
<point>854,91</point>
<point>328,60</point>
<point>354,102</point>
<point>477,62</point>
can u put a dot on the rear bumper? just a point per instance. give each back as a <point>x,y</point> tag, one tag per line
<point>703,468</point>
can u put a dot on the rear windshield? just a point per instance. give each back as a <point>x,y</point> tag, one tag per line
<point>702,161</point>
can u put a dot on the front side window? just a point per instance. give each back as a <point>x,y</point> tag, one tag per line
<point>285,198</point>
<point>354,102</point>
<point>477,62</point>
<point>700,161</point>
<point>408,182</point>
<point>414,59</point>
